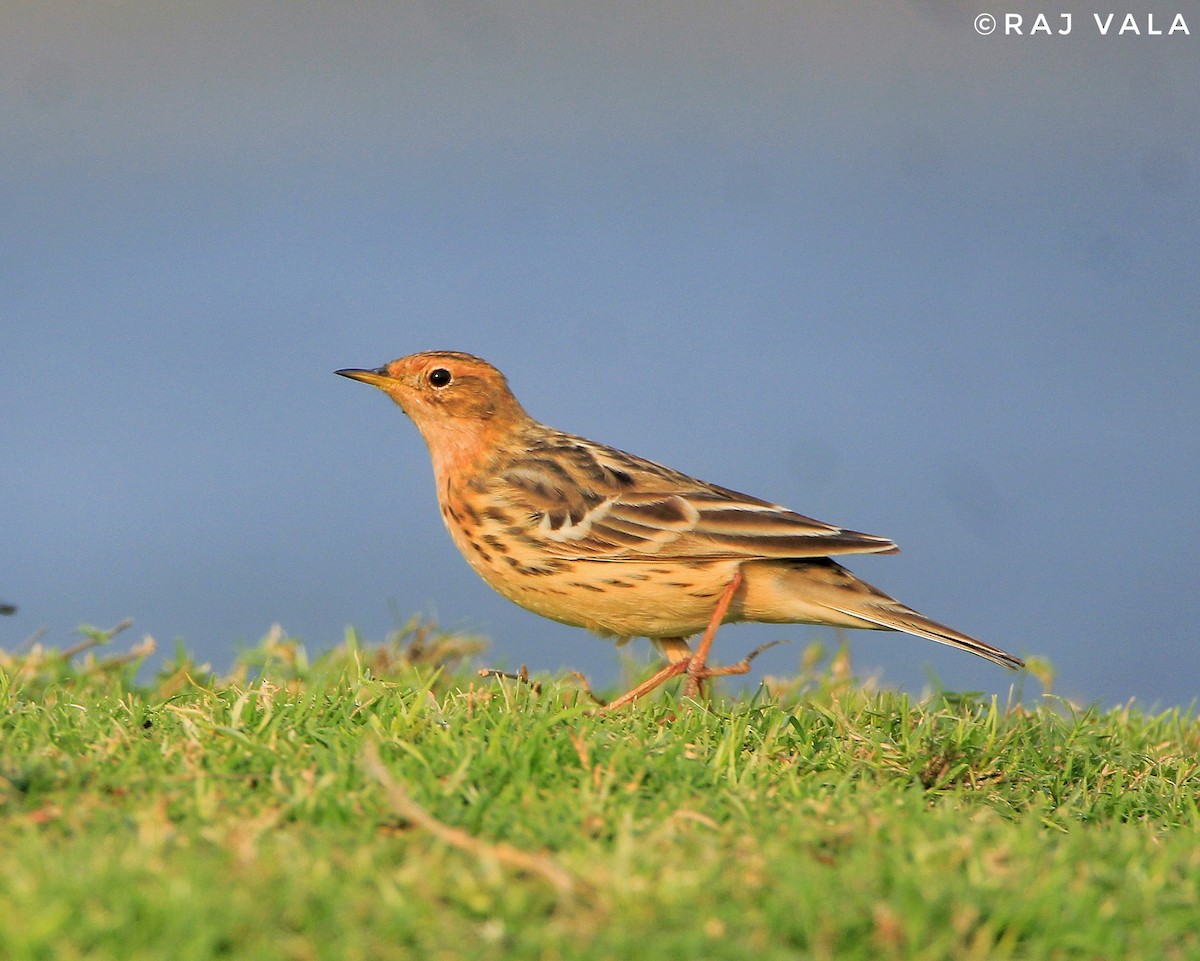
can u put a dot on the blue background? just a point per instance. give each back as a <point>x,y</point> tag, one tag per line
<point>856,259</point>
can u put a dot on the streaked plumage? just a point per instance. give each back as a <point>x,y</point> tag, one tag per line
<point>597,538</point>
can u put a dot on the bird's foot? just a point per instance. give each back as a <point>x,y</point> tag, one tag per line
<point>697,674</point>
<point>696,671</point>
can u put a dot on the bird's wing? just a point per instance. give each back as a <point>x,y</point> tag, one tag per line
<point>697,524</point>
<point>585,501</point>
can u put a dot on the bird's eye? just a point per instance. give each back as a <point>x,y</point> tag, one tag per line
<point>439,377</point>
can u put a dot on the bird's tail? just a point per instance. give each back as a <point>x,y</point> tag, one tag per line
<point>821,591</point>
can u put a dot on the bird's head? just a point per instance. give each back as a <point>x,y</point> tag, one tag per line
<point>457,401</point>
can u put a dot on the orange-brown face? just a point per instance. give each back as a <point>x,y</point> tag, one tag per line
<point>440,386</point>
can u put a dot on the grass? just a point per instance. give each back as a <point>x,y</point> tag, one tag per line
<point>380,803</point>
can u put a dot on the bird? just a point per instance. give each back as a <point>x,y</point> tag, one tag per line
<point>597,538</point>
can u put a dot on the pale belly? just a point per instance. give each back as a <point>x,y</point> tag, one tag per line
<point>625,598</point>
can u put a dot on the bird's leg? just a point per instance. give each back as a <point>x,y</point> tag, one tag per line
<point>697,664</point>
<point>648,685</point>
<point>677,653</point>
<point>694,665</point>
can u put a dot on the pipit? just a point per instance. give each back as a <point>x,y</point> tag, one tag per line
<point>597,538</point>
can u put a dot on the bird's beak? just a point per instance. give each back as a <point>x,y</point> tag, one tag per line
<point>378,377</point>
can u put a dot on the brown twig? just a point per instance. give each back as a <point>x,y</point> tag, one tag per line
<point>96,638</point>
<point>542,865</point>
<point>522,675</point>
